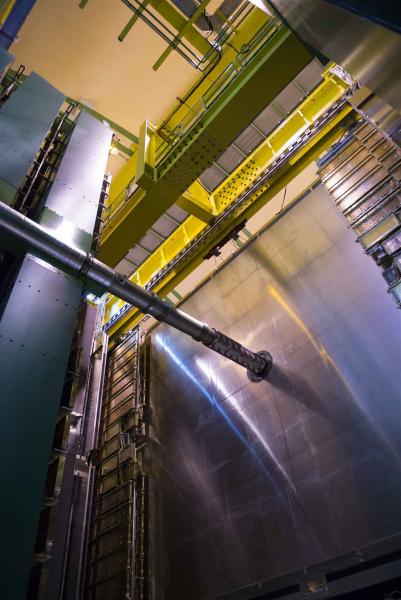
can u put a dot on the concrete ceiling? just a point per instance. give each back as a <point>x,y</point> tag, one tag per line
<point>78,52</point>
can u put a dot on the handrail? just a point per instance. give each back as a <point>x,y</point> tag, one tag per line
<point>262,36</point>
<point>207,100</point>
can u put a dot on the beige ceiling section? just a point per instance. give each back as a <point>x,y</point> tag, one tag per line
<point>78,52</point>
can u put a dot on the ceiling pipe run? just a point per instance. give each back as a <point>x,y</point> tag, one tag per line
<point>76,261</point>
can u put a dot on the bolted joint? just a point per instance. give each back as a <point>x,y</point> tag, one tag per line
<point>257,376</point>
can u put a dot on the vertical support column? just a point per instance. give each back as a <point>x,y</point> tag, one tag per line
<point>36,330</point>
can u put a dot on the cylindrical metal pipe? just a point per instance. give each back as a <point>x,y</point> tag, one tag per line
<point>37,238</point>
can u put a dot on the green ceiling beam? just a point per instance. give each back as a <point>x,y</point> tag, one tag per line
<point>115,126</point>
<point>124,149</point>
<point>175,18</point>
<point>132,21</point>
<point>181,33</point>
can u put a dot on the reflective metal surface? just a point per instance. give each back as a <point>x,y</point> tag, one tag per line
<point>20,137</point>
<point>364,49</point>
<point>35,337</point>
<point>74,194</point>
<point>250,482</point>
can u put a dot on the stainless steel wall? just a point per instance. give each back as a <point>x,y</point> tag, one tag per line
<point>252,481</point>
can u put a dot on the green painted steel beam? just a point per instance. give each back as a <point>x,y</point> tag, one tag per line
<point>115,126</point>
<point>181,34</point>
<point>255,86</point>
<point>124,149</point>
<point>175,18</point>
<point>132,21</point>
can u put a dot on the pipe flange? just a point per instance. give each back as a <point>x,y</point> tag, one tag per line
<point>256,377</point>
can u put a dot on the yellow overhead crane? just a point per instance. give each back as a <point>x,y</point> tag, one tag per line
<point>301,122</point>
<point>169,159</point>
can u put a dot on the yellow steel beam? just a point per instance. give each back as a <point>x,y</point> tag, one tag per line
<point>198,202</point>
<point>239,100</point>
<point>311,152</point>
<point>126,175</point>
<point>306,114</point>
<point>5,9</point>
<point>145,162</point>
<point>200,88</point>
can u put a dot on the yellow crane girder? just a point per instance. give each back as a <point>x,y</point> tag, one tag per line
<point>301,119</point>
<point>160,182</point>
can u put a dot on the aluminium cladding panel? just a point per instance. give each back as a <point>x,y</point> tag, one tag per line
<point>35,337</point>
<point>24,122</point>
<point>255,481</point>
<point>5,61</point>
<point>76,189</point>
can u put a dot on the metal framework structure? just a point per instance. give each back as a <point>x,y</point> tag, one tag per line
<point>299,139</point>
<point>199,133</point>
<point>184,32</point>
<point>236,138</point>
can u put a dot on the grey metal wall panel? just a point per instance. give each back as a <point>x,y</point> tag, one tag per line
<point>5,60</point>
<point>76,189</point>
<point>24,122</point>
<point>254,481</point>
<point>70,495</point>
<point>35,338</point>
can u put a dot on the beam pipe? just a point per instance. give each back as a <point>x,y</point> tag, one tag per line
<point>72,259</point>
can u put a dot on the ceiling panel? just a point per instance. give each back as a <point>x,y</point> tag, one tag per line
<point>268,120</point>
<point>137,255</point>
<point>230,159</point>
<point>125,267</point>
<point>289,98</point>
<point>249,139</point>
<point>177,213</point>
<point>164,226</point>
<point>310,76</point>
<point>150,241</point>
<point>212,177</point>
<point>98,69</point>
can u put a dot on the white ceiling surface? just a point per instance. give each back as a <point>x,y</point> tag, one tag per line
<point>78,52</point>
